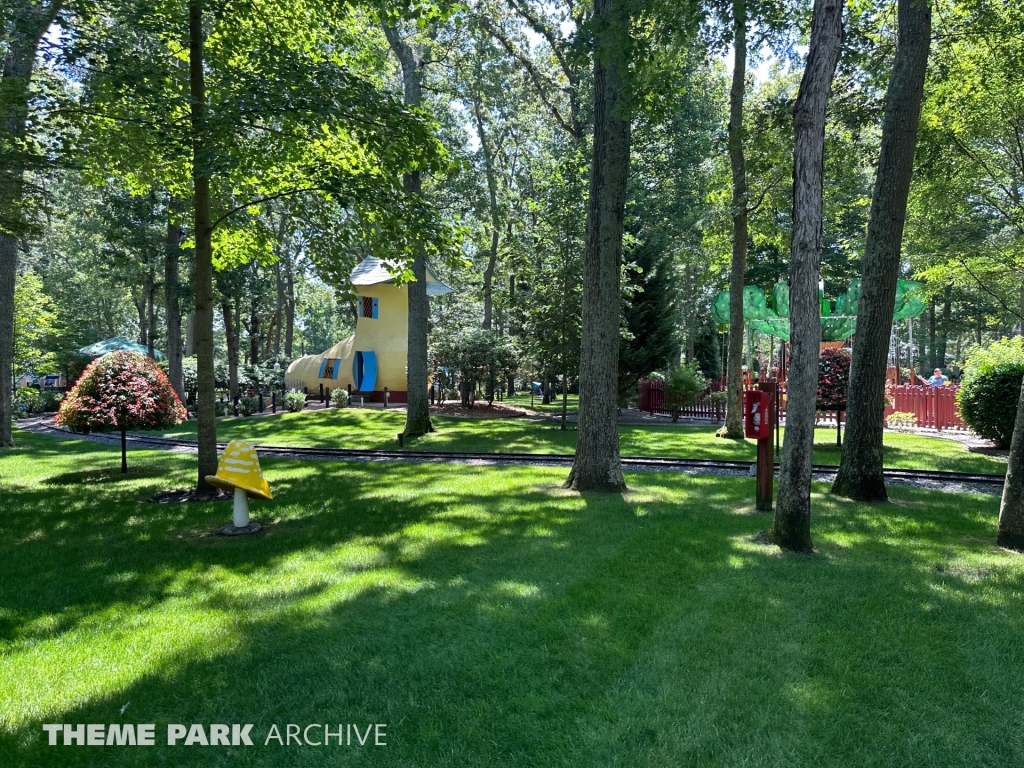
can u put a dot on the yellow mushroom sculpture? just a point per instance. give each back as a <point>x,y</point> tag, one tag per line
<point>239,471</point>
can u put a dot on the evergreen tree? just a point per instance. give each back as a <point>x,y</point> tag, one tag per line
<point>649,318</point>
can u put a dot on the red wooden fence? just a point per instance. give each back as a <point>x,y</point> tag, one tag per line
<point>934,407</point>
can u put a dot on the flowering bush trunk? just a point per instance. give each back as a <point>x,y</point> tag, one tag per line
<point>121,391</point>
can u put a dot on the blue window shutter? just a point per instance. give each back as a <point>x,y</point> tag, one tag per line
<point>369,372</point>
<point>337,367</point>
<point>323,365</point>
<point>374,309</point>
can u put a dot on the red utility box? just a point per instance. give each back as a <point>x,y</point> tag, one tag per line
<point>757,414</point>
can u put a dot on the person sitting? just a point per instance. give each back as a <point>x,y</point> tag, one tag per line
<point>938,379</point>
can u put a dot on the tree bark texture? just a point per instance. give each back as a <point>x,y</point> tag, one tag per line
<point>25,28</point>
<point>492,191</point>
<point>791,528</point>
<point>932,357</point>
<point>205,409</point>
<point>734,366</point>
<point>860,469</point>
<point>231,339</point>
<point>1011,510</point>
<point>417,415</point>
<point>190,331</point>
<point>255,322</point>
<point>597,465</point>
<point>8,273</point>
<point>171,303</point>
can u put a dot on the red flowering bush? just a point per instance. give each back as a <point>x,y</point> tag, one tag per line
<point>122,391</point>
<point>833,380</point>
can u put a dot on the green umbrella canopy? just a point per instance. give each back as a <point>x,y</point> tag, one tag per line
<point>117,344</point>
<point>774,321</point>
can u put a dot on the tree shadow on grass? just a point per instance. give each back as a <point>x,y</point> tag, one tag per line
<point>105,475</point>
<point>491,618</point>
<point>466,608</point>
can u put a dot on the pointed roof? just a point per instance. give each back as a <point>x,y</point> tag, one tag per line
<point>373,271</point>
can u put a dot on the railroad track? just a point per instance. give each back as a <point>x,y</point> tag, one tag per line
<point>666,463</point>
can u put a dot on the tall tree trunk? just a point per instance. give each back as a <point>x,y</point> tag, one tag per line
<point>933,357</point>
<point>231,339</point>
<point>791,528</point>
<point>492,190</point>
<point>417,414</point>
<point>278,307</point>
<point>734,403</point>
<point>922,348</point>
<point>190,332</point>
<point>172,253</point>
<point>8,272</point>
<point>691,316</point>
<point>942,338</point>
<point>150,312</point>
<point>254,318</point>
<point>513,327</point>
<point>206,426</point>
<point>860,469</point>
<point>597,465</point>
<point>23,31</point>
<point>289,308</point>
<point>140,308</point>
<point>1011,510</point>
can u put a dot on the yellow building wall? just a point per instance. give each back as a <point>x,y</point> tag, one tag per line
<point>387,337</point>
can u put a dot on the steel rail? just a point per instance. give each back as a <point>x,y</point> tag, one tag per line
<point>650,462</point>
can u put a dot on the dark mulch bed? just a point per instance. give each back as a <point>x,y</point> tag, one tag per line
<point>479,411</point>
<point>189,497</point>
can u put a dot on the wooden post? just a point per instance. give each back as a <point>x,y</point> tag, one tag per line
<point>766,453</point>
<point>273,401</point>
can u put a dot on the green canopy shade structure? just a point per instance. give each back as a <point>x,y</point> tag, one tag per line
<point>774,320</point>
<point>117,344</point>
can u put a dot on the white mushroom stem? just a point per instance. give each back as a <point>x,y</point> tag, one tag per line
<point>241,511</point>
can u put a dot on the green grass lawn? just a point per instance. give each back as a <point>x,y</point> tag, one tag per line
<point>358,428</point>
<point>554,408</point>
<point>490,618</point>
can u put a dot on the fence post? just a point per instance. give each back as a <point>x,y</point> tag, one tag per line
<point>273,401</point>
<point>261,402</point>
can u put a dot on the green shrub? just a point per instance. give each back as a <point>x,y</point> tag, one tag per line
<point>988,401</point>
<point>682,388</point>
<point>28,400</point>
<point>991,389</point>
<point>294,401</point>
<point>339,397</point>
<point>51,400</point>
<point>247,406</point>
<point>902,421</point>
